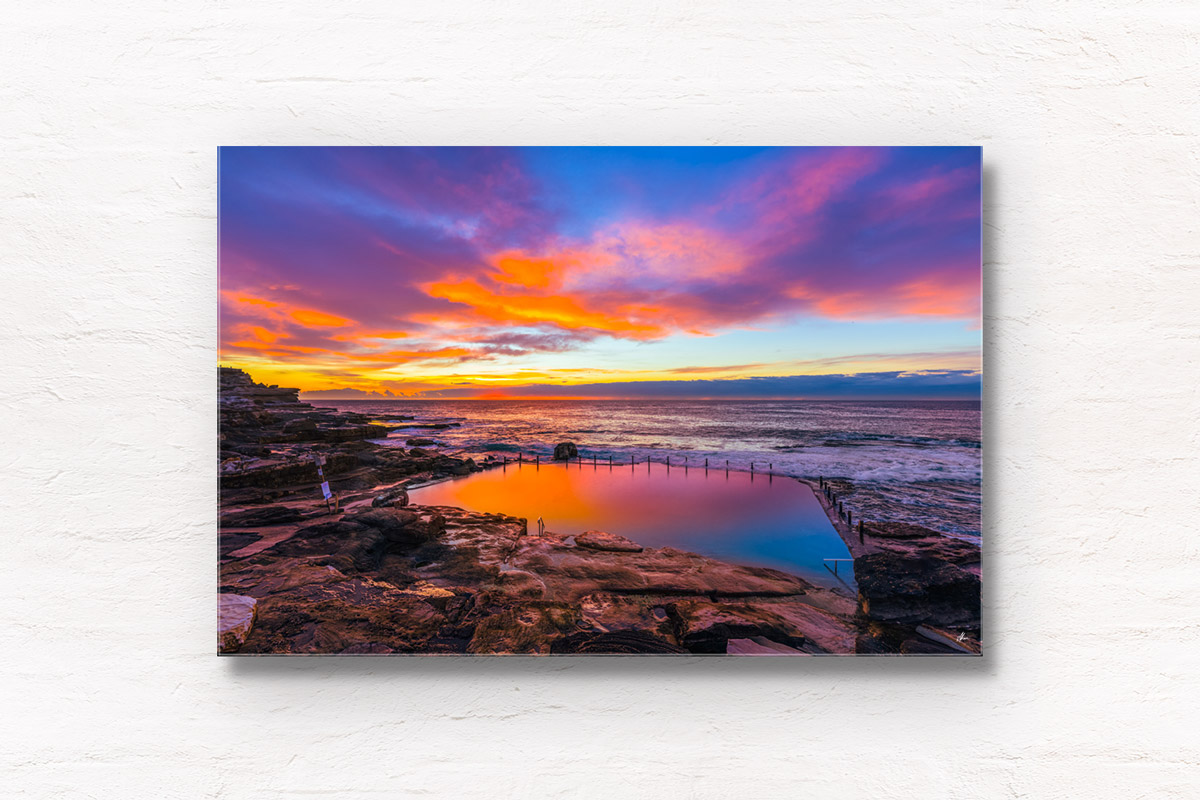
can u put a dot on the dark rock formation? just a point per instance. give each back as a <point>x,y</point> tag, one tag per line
<point>565,450</point>
<point>911,578</point>
<point>915,541</point>
<point>266,515</point>
<point>618,643</point>
<point>907,590</point>
<point>599,540</point>
<point>270,440</point>
<point>393,497</point>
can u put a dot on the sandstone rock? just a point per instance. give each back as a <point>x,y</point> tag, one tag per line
<point>705,626</point>
<point>367,649</point>
<point>343,544</point>
<point>296,426</point>
<point>247,497</point>
<point>914,541</point>
<point>420,442</point>
<point>571,572</point>
<point>428,591</point>
<point>329,618</point>
<point>960,643</point>
<point>616,643</point>
<point>916,591</point>
<point>760,646</point>
<point>397,498</point>
<point>519,583</point>
<point>387,519</point>
<point>235,618</point>
<point>248,449</point>
<point>599,540</point>
<point>565,450</point>
<point>255,517</point>
<point>608,613</point>
<point>525,628</point>
<point>924,647</point>
<point>346,433</point>
<point>259,579</point>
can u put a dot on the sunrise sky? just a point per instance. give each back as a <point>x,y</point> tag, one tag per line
<point>592,272</point>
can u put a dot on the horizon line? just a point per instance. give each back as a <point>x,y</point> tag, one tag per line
<point>749,398</point>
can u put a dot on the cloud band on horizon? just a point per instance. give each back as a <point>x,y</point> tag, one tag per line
<point>944,385</point>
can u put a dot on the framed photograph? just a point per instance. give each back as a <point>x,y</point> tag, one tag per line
<point>600,400</point>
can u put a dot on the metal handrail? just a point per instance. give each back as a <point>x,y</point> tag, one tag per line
<point>835,561</point>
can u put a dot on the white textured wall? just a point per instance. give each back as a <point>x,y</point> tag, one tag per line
<point>110,115</point>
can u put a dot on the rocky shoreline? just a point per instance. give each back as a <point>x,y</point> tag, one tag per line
<point>367,573</point>
<point>909,576</point>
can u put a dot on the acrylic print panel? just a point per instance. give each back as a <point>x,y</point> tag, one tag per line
<point>644,401</point>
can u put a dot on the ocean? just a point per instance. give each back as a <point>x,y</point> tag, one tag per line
<point>906,461</point>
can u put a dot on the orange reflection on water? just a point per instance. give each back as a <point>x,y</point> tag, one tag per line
<point>774,522</point>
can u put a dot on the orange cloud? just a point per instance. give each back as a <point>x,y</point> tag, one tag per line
<point>599,286</point>
<point>256,332</point>
<point>318,319</point>
<point>278,350</point>
<point>561,310</point>
<point>363,335</point>
<point>398,357</point>
<point>520,270</point>
<point>253,301</point>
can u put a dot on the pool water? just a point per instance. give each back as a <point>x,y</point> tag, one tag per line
<point>734,516</point>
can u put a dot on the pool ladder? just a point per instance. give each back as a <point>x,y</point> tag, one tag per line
<point>836,561</point>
